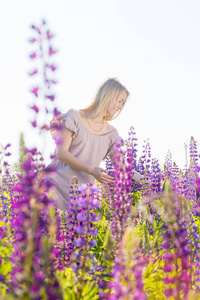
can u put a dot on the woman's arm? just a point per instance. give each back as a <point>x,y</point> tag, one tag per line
<point>68,158</point>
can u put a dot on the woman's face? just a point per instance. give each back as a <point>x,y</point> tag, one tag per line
<point>116,103</point>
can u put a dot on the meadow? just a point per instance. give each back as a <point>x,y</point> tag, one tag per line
<point>118,241</point>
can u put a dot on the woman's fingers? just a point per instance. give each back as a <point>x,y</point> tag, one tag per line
<point>106,178</point>
<point>102,176</point>
<point>104,173</point>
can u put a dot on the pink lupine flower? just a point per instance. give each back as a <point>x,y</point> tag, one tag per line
<point>185,264</point>
<point>35,91</point>
<point>52,67</point>
<point>54,81</point>
<point>138,295</point>
<point>32,40</point>
<point>168,280</point>
<point>186,277</point>
<point>51,51</point>
<point>49,35</point>
<point>168,256</point>
<point>34,124</point>
<point>33,72</point>
<point>169,292</point>
<point>33,55</point>
<point>168,268</point>
<point>36,28</point>
<point>18,187</point>
<point>56,112</point>
<point>35,108</point>
<point>51,97</point>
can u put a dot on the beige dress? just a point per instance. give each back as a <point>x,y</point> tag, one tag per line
<point>89,147</point>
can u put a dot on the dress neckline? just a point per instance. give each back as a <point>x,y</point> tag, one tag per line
<point>77,114</point>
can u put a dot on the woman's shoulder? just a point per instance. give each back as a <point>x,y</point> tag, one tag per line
<point>111,129</point>
<point>69,113</point>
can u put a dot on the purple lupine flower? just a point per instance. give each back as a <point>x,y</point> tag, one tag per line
<point>131,155</point>
<point>30,204</point>
<point>35,91</point>
<point>36,28</point>
<point>33,72</point>
<point>7,146</point>
<point>127,282</point>
<point>2,278</point>
<point>79,242</point>
<point>35,108</point>
<point>56,112</point>
<point>168,268</point>
<point>92,243</point>
<point>155,176</point>
<point>168,280</point>
<point>170,292</point>
<point>52,51</point>
<point>51,97</point>
<point>145,167</point>
<point>54,81</point>
<point>33,55</point>
<point>34,124</point>
<point>122,201</point>
<point>53,68</point>
<point>175,236</point>
<point>8,154</point>
<point>49,35</point>
<point>32,40</point>
<point>32,151</point>
<point>168,165</point>
<point>80,230</point>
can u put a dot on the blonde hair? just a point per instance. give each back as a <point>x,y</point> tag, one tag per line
<point>109,89</point>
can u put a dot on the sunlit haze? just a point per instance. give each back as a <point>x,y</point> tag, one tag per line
<point>153,47</point>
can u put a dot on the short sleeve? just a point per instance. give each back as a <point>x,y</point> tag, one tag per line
<point>69,121</point>
<point>114,139</point>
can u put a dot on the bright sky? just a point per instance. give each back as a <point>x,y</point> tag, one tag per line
<point>153,47</point>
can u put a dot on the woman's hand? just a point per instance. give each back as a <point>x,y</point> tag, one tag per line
<point>101,175</point>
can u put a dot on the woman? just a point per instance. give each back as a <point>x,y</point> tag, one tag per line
<point>87,138</point>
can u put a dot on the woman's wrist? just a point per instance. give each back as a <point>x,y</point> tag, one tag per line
<point>90,170</point>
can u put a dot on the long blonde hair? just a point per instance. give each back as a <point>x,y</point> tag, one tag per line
<point>110,88</point>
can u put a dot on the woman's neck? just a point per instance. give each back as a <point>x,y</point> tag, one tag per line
<point>98,119</point>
